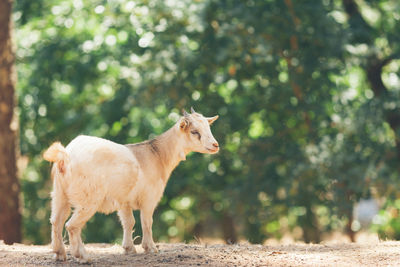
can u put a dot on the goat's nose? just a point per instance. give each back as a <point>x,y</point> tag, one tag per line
<point>215,144</point>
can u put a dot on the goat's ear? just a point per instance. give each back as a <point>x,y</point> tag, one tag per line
<point>184,123</point>
<point>212,119</point>
<point>185,114</point>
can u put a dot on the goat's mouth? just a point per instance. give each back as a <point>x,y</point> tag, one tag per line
<point>213,150</point>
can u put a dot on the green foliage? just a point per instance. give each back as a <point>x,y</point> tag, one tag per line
<point>303,136</point>
<point>387,222</point>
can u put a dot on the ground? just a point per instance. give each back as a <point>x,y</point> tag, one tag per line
<point>341,254</point>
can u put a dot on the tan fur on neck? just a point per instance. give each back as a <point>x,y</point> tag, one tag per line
<point>164,152</point>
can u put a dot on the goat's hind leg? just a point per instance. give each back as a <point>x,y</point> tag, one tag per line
<point>128,222</point>
<point>60,210</point>
<point>74,226</point>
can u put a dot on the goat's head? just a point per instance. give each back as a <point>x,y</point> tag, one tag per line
<point>197,133</point>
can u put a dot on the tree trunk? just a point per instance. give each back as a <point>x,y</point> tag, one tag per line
<point>351,234</point>
<point>363,34</point>
<point>228,229</point>
<point>374,76</point>
<point>10,217</point>
<point>311,231</point>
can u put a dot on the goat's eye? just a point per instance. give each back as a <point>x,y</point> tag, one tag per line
<point>196,133</point>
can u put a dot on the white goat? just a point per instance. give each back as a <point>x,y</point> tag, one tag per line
<point>93,174</point>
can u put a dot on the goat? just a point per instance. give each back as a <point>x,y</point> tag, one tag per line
<point>93,174</point>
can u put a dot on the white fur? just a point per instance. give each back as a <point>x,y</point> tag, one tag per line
<point>93,174</point>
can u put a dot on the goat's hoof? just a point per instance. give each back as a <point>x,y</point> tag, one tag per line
<point>150,249</point>
<point>130,250</point>
<point>60,256</point>
<point>85,260</point>
<point>81,256</point>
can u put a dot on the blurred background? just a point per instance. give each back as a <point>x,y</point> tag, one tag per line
<point>307,93</point>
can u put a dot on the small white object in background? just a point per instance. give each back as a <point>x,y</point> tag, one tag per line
<point>365,211</point>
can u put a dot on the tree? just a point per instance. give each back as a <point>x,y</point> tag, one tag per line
<point>10,217</point>
<point>379,36</point>
<point>303,136</point>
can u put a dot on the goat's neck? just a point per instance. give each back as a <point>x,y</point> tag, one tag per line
<point>172,151</point>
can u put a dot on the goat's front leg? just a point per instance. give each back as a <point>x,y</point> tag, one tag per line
<point>127,221</point>
<point>146,218</point>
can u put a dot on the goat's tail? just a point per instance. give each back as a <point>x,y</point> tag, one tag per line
<point>56,153</point>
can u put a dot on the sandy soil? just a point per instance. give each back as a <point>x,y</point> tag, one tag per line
<point>346,254</point>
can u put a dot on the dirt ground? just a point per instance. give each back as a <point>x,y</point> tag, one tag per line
<point>344,254</point>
